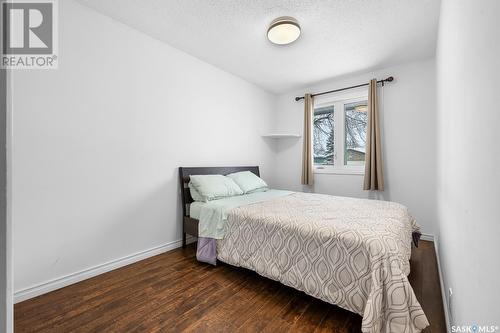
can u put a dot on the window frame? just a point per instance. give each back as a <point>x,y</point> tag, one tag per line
<point>338,101</point>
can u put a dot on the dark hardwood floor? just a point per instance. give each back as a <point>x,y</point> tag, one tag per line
<point>172,292</point>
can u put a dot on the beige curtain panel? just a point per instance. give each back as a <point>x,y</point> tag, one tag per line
<point>374,178</point>
<point>307,148</point>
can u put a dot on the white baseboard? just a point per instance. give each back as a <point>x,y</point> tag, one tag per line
<point>433,238</point>
<point>441,282</point>
<point>45,287</point>
<point>427,237</point>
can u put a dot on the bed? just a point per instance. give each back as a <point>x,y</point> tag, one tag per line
<point>353,253</point>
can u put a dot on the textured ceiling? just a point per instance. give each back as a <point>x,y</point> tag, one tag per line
<point>338,36</point>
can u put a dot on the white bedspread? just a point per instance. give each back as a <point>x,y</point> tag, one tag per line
<point>350,252</point>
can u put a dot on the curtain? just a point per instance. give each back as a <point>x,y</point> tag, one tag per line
<point>307,148</point>
<point>374,178</point>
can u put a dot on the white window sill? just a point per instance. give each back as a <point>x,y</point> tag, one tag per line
<point>339,171</point>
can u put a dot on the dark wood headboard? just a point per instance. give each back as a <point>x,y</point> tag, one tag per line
<point>185,172</point>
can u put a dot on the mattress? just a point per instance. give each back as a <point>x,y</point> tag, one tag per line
<point>350,252</point>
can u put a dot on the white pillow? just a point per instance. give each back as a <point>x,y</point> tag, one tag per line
<point>248,181</point>
<point>213,187</point>
<point>195,194</point>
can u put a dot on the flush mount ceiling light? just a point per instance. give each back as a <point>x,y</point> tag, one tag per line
<point>361,108</point>
<point>283,30</point>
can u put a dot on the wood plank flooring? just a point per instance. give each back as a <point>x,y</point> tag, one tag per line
<point>172,292</point>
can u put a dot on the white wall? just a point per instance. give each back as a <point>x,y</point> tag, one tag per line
<point>408,125</point>
<point>97,144</point>
<point>468,68</point>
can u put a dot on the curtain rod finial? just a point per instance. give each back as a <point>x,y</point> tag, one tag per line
<point>298,99</point>
<point>390,79</point>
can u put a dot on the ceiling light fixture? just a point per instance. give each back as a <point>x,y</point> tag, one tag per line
<point>361,108</point>
<point>283,30</point>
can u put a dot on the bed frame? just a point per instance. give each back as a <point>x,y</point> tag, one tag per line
<point>190,225</point>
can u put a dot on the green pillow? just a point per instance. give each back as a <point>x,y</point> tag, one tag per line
<point>195,194</point>
<point>213,187</point>
<point>248,181</point>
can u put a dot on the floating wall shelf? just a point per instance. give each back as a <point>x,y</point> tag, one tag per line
<point>281,135</point>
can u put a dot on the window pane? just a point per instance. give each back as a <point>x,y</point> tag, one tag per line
<point>356,120</point>
<point>323,136</point>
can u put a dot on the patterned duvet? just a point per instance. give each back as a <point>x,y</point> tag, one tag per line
<point>350,252</point>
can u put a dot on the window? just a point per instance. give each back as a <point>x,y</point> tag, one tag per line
<point>324,135</point>
<point>339,134</point>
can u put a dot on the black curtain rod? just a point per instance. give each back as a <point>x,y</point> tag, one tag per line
<point>389,79</point>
